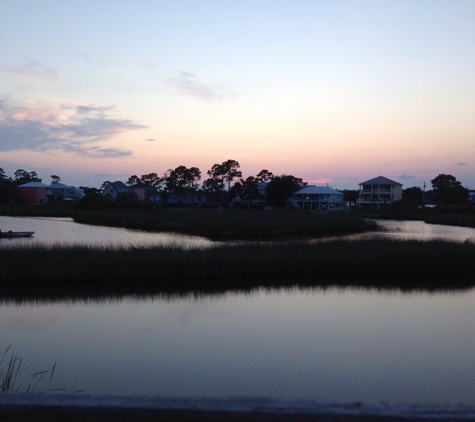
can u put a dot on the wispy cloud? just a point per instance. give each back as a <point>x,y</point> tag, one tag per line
<point>462,164</point>
<point>90,58</point>
<point>407,177</point>
<point>35,70</point>
<point>77,129</point>
<point>190,84</point>
<point>150,139</point>
<point>99,108</point>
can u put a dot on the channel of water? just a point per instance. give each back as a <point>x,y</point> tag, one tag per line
<point>50,231</point>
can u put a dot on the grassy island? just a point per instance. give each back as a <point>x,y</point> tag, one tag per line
<point>33,270</point>
<point>230,224</point>
<point>277,256</point>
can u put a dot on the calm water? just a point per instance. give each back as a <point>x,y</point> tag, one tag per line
<point>64,230</point>
<point>329,345</point>
<point>49,231</point>
<point>420,230</point>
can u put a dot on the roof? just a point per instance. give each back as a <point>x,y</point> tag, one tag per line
<point>78,191</point>
<point>118,185</point>
<point>141,185</point>
<point>380,180</point>
<point>60,186</point>
<point>317,190</point>
<point>34,185</point>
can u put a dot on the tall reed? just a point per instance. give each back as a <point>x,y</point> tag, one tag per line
<point>89,269</point>
<point>231,224</point>
<point>10,365</point>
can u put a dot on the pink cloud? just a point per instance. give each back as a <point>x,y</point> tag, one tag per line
<point>78,129</point>
<point>37,71</point>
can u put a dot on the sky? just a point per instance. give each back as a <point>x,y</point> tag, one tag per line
<point>333,91</point>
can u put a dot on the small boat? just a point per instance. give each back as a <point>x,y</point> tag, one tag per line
<point>15,234</point>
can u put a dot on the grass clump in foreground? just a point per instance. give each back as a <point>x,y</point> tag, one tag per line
<point>10,365</point>
<point>371,262</point>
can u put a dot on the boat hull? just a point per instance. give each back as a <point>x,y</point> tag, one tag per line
<point>15,234</point>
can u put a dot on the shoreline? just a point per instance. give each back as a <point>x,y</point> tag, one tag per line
<point>66,407</point>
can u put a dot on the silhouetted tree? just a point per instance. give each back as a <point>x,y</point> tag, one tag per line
<point>280,188</point>
<point>88,190</point>
<point>351,195</point>
<point>22,177</point>
<point>413,195</point>
<point>93,199</point>
<point>220,174</point>
<point>125,200</point>
<point>8,191</point>
<point>55,179</point>
<point>182,179</point>
<point>264,176</point>
<point>194,176</point>
<point>227,171</point>
<point>214,187</point>
<point>448,190</point>
<point>151,179</point>
<point>132,180</point>
<point>249,189</point>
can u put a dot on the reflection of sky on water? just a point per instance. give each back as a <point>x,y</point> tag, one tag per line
<point>49,231</point>
<point>335,345</point>
<point>421,230</point>
<point>416,230</point>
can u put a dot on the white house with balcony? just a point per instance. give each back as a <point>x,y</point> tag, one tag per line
<point>378,192</point>
<point>320,198</point>
<point>115,188</point>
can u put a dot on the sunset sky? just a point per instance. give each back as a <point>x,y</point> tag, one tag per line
<point>331,91</point>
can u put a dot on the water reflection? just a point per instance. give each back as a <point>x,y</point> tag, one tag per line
<point>53,231</point>
<point>344,284</point>
<point>320,344</point>
<point>176,296</point>
<point>420,230</point>
<point>336,342</point>
<point>50,231</point>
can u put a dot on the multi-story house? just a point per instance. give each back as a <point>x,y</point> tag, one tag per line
<point>145,192</point>
<point>115,188</point>
<point>61,192</point>
<point>378,192</point>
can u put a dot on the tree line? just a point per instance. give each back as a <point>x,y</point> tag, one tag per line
<point>183,180</point>
<point>446,189</point>
<point>224,182</point>
<point>8,185</point>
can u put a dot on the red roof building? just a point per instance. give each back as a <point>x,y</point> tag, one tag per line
<point>34,193</point>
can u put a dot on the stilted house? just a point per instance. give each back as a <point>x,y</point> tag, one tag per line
<point>320,198</point>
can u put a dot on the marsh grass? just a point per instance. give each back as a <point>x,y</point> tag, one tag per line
<point>10,365</point>
<point>376,262</point>
<point>230,224</point>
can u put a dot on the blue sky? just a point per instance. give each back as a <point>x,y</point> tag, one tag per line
<point>334,92</point>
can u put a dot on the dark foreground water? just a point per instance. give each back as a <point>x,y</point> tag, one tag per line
<point>330,345</point>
